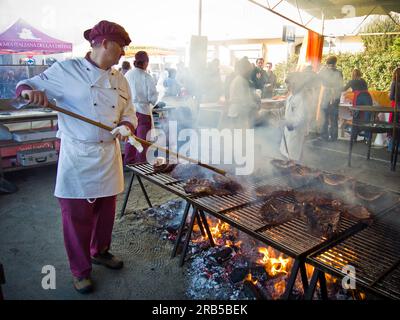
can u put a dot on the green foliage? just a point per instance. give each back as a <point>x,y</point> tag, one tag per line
<point>377,69</point>
<point>378,43</point>
<point>380,58</point>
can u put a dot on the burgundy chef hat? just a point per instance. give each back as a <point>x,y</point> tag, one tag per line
<point>107,30</point>
<point>141,57</point>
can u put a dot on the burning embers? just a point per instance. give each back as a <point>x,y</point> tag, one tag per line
<point>239,266</point>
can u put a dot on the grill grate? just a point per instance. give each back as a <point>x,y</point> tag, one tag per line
<point>374,252</point>
<point>293,235</point>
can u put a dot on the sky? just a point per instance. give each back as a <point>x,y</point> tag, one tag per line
<point>153,22</point>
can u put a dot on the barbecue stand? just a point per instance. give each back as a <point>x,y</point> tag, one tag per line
<point>165,181</point>
<point>241,211</point>
<point>374,252</point>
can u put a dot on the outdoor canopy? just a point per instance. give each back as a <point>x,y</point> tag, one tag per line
<point>22,38</point>
<point>336,9</point>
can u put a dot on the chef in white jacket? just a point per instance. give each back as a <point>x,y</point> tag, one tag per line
<point>295,124</point>
<point>144,96</point>
<point>89,174</point>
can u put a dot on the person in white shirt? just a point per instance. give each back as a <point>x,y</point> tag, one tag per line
<point>295,123</point>
<point>144,97</point>
<point>90,173</point>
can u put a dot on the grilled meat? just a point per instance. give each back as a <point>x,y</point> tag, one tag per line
<point>227,182</point>
<point>304,172</point>
<point>163,168</point>
<point>282,164</point>
<point>273,192</point>
<point>322,222</point>
<point>356,212</point>
<point>275,212</point>
<point>365,192</point>
<point>199,186</point>
<point>334,179</point>
<point>185,171</point>
<point>315,198</point>
<point>211,187</point>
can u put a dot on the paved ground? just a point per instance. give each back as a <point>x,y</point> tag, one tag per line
<point>31,235</point>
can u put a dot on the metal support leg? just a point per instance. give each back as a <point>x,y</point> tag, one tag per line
<point>205,223</point>
<point>292,280</point>
<point>350,149</point>
<point>322,286</point>
<point>395,151</point>
<point>187,240</point>
<point>180,231</point>
<point>317,276</point>
<point>2,281</point>
<point>144,192</point>
<point>309,294</point>
<point>200,224</point>
<point>369,145</point>
<point>303,274</point>
<point>127,193</point>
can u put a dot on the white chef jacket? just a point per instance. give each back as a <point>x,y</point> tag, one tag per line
<point>143,90</point>
<point>295,118</point>
<point>90,162</point>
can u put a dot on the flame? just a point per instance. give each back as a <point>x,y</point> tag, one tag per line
<point>273,265</point>
<point>217,230</point>
<point>279,289</point>
<point>250,278</point>
<point>230,243</point>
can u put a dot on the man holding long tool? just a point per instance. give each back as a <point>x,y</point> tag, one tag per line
<point>89,174</point>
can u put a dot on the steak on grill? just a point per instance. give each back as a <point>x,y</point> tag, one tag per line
<point>275,212</point>
<point>356,212</point>
<point>199,186</point>
<point>227,183</point>
<point>282,164</point>
<point>322,222</point>
<point>366,192</point>
<point>272,191</point>
<point>315,198</point>
<point>209,187</point>
<point>334,179</point>
<point>163,167</point>
<point>304,172</point>
<point>185,171</point>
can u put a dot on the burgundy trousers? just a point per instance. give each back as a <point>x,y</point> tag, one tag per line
<point>87,230</point>
<point>131,154</point>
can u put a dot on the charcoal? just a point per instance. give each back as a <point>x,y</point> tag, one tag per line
<point>238,274</point>
<point>222,255</point>
<point>173,227</point>
<point>252,291</point>
<point>258,271</point>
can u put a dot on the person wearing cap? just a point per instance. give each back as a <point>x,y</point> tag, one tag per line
<point>144,96</point>
<point>126,66</point>
<point>90,173</point>
<point>332,83</point>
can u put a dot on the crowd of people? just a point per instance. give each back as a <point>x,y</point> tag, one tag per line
<point>90,173</point>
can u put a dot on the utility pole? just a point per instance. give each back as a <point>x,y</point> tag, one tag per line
<point>200,12</point>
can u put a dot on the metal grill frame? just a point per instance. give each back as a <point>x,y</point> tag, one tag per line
<point>174,186</point>
<point>378,284</point>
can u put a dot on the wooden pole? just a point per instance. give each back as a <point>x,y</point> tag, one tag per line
<point>144,142</point>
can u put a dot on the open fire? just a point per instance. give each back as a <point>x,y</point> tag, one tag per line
<point>239,267</point>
